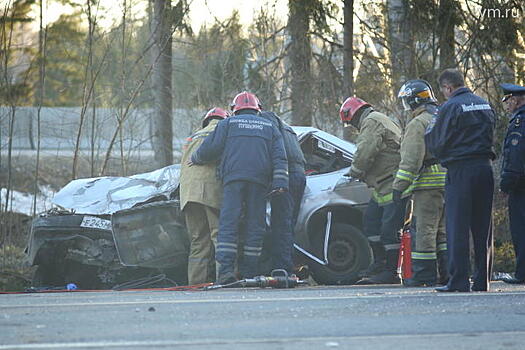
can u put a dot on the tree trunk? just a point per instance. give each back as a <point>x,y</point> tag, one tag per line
<point>300,57</point>
<point>348,57</point>
<point>40,99</point>
<point>400,40</point>
<point>161,56</point>
<point>446,22</point>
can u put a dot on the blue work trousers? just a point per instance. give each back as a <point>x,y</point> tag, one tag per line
<point>382,224</point>
<point>517,229</point>
<point>285,208</point>
<point>236,196</point>
<point>469,190</point>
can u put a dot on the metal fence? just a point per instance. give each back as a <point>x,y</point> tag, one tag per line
<point>59,128</point>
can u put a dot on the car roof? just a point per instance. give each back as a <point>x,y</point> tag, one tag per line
<point>301,131</point>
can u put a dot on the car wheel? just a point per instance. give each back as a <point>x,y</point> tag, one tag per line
<point>348,254</point>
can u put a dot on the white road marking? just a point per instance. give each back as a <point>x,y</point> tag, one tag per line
<point>258,300</point>
<point>240,341</point>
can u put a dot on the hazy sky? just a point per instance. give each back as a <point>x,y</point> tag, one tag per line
<point>201,11</point>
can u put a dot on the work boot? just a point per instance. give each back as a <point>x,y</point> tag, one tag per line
<point>379,261</point>
<point>388,275</point>
<point>442,266</point>
<point>227,278</point>
<point>410,282</point>
<point>424,273</point>
<point>384,277</point>
<point>373,269</point>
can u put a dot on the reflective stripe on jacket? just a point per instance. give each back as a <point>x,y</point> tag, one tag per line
<point>413,174</point>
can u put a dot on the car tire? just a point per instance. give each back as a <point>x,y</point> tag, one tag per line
<point>348,254</point>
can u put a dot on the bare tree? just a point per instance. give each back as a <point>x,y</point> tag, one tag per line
<point>161,78</point>
<point>40,96</point>
<point>348,47</point>
<point>400,40</point>
<point>447,42</point>
<point>13,85</point>
<point>90,77</point>
<point>123,80</point>
<point>92,21</point>
<point>348,56</point>
<point>300,53</point>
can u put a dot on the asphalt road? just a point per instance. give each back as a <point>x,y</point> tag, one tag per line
<point>351,317</point>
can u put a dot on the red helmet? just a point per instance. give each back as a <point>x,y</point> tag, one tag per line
<point>214,113</point>
<point>350,107</point>
<point>245,100</point>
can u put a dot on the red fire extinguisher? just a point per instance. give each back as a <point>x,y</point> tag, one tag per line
<point>404,261</point>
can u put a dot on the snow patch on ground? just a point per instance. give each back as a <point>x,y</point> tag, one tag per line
<point>20,202</point>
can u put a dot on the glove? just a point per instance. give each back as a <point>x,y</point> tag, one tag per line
<point>276,191</point>
<point>396,196</point>
<point>508,182</point>
<point>355,173</point>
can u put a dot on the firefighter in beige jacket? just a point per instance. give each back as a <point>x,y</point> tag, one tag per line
<point>419,172</point>
<point>200,197</point>
<point>375,163</point>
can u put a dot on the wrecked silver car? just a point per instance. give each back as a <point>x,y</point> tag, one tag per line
<point>329,233</point>
<point>108,230</point>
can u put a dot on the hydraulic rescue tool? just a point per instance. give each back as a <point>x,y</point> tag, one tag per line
<point>278,279</point>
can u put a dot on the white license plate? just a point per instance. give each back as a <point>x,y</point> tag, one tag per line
<point>94,222</point>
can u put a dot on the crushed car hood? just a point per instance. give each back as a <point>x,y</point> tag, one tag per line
<point>106,195</point>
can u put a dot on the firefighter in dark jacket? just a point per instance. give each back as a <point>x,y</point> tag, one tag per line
<point>253,161</point>
<point>420,174</point>
<point>375,163</point>
<point>200,196</point>
<point>461,138</point>
<point>285,207</point>
<point>513,174</point>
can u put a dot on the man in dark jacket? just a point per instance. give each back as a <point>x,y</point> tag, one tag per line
<point>513,174</point>
<point>285,207</point>
<point>252,159</point>
<point>461,137</point>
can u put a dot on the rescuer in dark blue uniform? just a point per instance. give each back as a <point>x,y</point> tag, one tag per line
<point>285,207</point>
<point>461,138</point>
<point>253,162</point>
<point>513,174</point>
